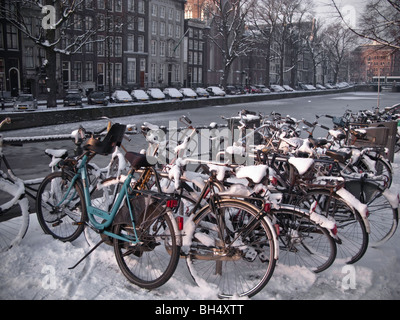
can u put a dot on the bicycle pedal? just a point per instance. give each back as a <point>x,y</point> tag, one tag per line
<point>78,223</point>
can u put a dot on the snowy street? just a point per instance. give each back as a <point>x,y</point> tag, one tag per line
<point>37,269</point>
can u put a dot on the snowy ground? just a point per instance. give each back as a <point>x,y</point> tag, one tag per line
<point>38,270</point>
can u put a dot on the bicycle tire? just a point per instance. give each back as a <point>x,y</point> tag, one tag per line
<point>352,231</point>
<point>65,222</point>
<point>303,242</point>
<point>382,207</point>
<point>14,216</point>
<point>241,263</point>
<point>148,264</point>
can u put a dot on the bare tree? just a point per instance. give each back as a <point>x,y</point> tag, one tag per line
<point>263,20</point>
<point>379,22</point>
<point>338,41</point>
<point>228,19</point>
<point>54,18</point>
<point>315,48</point>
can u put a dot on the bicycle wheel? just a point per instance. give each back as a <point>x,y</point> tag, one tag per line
<point>14,215</point>
<point>382,207</point>
<point>152,261</point>
<point>303,242</point>
<point>352,232</point>
<point>379,168</point>
<point>232,249</point>
<point>60,213</point>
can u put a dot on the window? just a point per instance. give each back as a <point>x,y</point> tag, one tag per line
<point>170,30</point>
<point>131,43</point>
<point>101,22</point>
<point>110,47</point>
<point>78,71</point>
<point>162,48</point>
<point>110,5</point>
<point>140,24</point>
<point>153,72</point>
<point>118,74</point>
<point>162,29</point>
<point>162,72</point>
<point>141,6</point>
<point>29,63</point>
<point>88,23</point>
<point>178,31</point>
<point>109,72</point>
<point>162,12</point>
<point>89,45</point>
<point>131,70</point>
<point>177,73</point>
<point>118,5</point>
<point>153,47</point>
<point>100,45</point>
<point>131,23</point>
<point>154,10</point>
<point>118,46</point>
<point>12,37</point>
<point>170,13</point>
<point>154,27</point>
<point>131,5</point>
<point>100,4</point>
<point>140,44</point>
<point>88,71</point>
<point>77,22</point>
<point>177,16</point>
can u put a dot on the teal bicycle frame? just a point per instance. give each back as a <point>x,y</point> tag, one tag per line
<point>107,217</point>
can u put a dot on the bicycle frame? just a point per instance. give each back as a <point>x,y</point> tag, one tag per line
<point>93,212</point>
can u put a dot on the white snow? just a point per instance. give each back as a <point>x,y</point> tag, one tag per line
<point>37,269</point>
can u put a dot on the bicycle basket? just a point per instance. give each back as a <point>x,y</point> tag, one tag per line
<point>111,140</point>
<point>145,208</point>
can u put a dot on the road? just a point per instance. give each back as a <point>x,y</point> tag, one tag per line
<point>30,161</point>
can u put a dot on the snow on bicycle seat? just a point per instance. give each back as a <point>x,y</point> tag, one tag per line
<point>57,153</point>
<point>138,160</point>
<point>338,155</point>
<point>112,139</point>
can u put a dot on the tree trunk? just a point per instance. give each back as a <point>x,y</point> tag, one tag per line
<point>51,72</point>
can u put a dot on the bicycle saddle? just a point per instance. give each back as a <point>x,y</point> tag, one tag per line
<point>138,160</point>
<point>111,140</point>
<point>338,155</point>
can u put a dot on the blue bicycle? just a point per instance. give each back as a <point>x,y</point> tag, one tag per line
<point>140,224</point>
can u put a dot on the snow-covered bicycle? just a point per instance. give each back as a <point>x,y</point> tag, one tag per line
<point>14,205</point>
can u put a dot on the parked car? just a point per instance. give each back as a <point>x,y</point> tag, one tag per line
<point>201,92</point>
<point>155,94</point>
<point>307,87</point>
<point>97,97</point>
<point>320,86</point>
<point>188,93</point>
<point>262,88</point>
<point>121,96</point>
<point>329,86</point>
<point>277,88</point>
<point>287,88</point>
<point>216,91</point>
<point>140,95</point>
<point>253,89</point>
<point>25,102</point>
<point>73,99</point>
<point>230,90</point>
<point>240,90</point>
<point>173,93</point>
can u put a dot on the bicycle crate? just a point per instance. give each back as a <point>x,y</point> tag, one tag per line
<point>145,206</point>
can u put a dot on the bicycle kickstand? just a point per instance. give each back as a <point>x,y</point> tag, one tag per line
<point>87,254</point>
